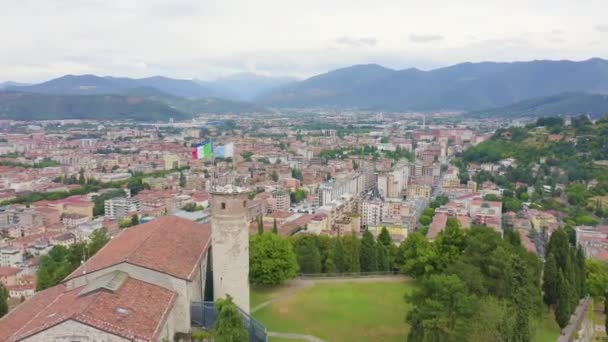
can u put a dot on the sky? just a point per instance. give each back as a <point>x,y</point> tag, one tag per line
<point>204,39</point>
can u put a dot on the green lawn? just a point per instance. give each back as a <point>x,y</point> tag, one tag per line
<point>259,294</point>
<point>350,311</point>
<point>547,330</point>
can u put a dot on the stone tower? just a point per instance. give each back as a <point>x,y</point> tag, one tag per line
<point>230,242</point>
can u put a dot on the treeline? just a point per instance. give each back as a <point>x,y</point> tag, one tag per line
<point>274,259</point>
<point>564,279</point>
<point>46,162</point>
<point>61,261</point>
<point>473,286</point>
<point>347,254</point>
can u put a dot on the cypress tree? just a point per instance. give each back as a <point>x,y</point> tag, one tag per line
<point>339,261</point>
<point>134,220</point>
<point>309,257</point>
<point>368,257</point>
<point>275,229</point>
<point>382,254</point>
<point>580,266</point>
<point>260,225</point>
<point>384,237</point>
<point>563,309</point>
<point>550,279</point>
<point>3,300</point>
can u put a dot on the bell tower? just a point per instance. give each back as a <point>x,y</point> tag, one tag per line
<point>230,240</point>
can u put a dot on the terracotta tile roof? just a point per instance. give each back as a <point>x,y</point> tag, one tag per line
<point>9,271</point>
<point>169,244</point>
<point>137,310</point>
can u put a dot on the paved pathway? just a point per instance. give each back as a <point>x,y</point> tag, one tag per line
<point>575,321</point>
<point>300,337</point>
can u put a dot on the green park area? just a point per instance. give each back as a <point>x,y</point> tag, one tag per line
<point>349,311</point>
<point>337,311</point>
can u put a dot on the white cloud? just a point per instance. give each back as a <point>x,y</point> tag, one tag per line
<point>425,38</point>
<point>207,39</point>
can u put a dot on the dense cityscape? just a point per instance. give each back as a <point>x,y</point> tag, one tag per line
<point>274,171</point>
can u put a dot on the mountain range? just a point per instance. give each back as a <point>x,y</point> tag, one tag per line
<point>537,87</point>
<point>466,86</point>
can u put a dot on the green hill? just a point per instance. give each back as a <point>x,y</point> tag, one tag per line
<point>565,104</point>
<point>30,106</point>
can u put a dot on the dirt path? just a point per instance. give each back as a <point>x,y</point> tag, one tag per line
<point>300,337</point>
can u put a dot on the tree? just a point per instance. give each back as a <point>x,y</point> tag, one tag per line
<point>385,237</point>
<point>275,229</point>
<point>3,300</point>
<point>260,225</point>
<point>182,180</point>
<point>299,195</point>
<point>425,220</point>
<point>493,320</point>
<point>274,176</point>
<point>339,261</point>
<point>419,258</point>
<point>98,239</point>
<point>297,174</point>
<point>383,258</point>
<point>563,309</point>
<point>368,257</point>
<point>550,279</point>
<point>441,309</point>
<point>272,260</point>
<point>352,252</point>
<point>134,220</point>
<point>229,324</point>
<point>597,278</point>
<point>309,257</point>
<point>81,179</point>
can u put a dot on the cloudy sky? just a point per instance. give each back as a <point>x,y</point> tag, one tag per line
<point>205,39</point>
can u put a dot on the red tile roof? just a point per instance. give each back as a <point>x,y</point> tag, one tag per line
<point>169,244</point>
<point>137,310</point>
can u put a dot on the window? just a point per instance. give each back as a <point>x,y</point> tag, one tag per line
<point>223,205</point>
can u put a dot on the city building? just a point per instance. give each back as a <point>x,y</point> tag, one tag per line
<point>117,208</point>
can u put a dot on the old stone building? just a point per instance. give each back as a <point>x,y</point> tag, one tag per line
<point>140,286</point>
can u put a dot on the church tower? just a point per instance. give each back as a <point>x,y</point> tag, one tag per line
<point>230,241</point>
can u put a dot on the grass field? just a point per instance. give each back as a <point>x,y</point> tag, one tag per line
<point>547,330</point>
<point>350,311</point>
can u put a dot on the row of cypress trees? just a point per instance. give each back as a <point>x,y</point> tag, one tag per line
<point>564,280</point>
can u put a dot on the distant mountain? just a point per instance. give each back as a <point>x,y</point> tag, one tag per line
<point>94,85</point>
<point>246,86</point>
<point>185,96</point>
<point>467,86</point>
<point>197,106</point>
<point>565,104</point>
<point>32,106</point>
<point>9,84</point>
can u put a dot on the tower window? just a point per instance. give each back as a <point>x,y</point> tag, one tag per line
<point>223,205</point>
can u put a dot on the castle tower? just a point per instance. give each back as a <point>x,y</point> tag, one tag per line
<point>230,242</point>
